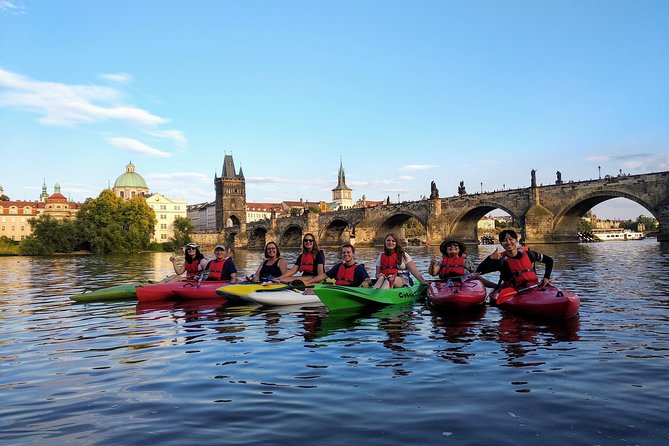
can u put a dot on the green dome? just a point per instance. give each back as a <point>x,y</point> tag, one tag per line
<point>130,178</point>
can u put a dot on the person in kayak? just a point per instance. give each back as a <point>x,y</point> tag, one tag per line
<point>194,263</point>
<point>310,262</point>
<point>348,272</point>
<point>222,268</point>
<point>454,261</point>
<point>394,267</point>
<point>273,266</point>
<point>516,263</point>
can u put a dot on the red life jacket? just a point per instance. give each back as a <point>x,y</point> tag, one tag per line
<point>307,263</point>
<point>522,269</point>
<point>192,268</point>
<point>215,268</point>
<point>452,266</point>
<point>346,275</point>
<point>389,264</point>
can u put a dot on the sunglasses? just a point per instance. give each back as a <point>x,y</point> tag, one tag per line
<point>190,249</point>
<point>308,240</point>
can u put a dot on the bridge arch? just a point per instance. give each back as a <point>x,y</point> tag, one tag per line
<point>291,236</point>
<point>464,227</point>
<point>336,233</point>
<point>257,237</point>
<point>395,223</point>
<point>567,219</point>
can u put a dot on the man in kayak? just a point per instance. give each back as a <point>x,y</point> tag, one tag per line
<point>516,264</point>
<point>347,272</point>
<point>222,268</point>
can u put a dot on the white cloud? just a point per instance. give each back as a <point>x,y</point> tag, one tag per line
<point>120,78</point>
<point>132,145</point>
<point>174,135</point>
<point>10,7</point>
<point>417,167</point>
<point>62,104</point>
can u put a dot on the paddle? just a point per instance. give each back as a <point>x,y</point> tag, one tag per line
<point>296,284</point>
<point>508,293</point>
<point>464,278</point>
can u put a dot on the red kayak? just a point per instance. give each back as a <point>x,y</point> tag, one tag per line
<point>456,295</point>
<point>544,302</point>
<point>185,289</point>
<point>205,290</point>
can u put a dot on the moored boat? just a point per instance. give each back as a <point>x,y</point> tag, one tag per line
<point>544,302</point>
<point>160,291</point>
<point>338,297</point>
<point>456,295</point>
<point>124,291</point>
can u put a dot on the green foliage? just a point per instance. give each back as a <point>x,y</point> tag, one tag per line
<point>183,227</point>
<point>649,223</point>
<point>49,236</point>
<point>584,226</point>
<point>294,212</point>
<point>8,246</point>
<point>314,209</point>
<point>4,197</point>
<point>413,228</point>
<point>108,224</point>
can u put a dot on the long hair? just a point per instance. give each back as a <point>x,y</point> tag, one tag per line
<point>314,245</point>
<point>278,253</point>
<point>398,247</point>
<point>198,255</point>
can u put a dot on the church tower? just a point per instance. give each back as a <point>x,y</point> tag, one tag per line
<point>230,197</point>
<point>342,193</point>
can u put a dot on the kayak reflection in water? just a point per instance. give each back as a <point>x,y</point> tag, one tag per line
<point>516,264</point>
<point>348,272</point>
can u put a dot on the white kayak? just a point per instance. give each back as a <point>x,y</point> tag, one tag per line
<point>281,296</point>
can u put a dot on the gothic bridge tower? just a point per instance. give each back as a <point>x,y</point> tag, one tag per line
<point>230,200</point>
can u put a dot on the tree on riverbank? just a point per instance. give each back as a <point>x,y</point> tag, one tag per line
<point>107,224</point>
<point>183,227</point>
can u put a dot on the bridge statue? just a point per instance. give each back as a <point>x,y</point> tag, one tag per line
<point>534,178</point>
<point>559,177</point>
<point>434,191</point>
<point>461,188</point>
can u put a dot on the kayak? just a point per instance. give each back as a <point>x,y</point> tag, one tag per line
<point>185,289</point>
<point>235,293</point>
<point>206,290</point>
<point>280,296</point>
<point>124,291</point>
<point>338,297</point>
<point>456,295</point>
<point>544,302</point>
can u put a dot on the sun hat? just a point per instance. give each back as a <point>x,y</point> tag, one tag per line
<point>220,246</point>
<point>444,245</point>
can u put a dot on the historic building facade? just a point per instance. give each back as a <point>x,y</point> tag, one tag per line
<point>14,214</point>
<point>166,210</point>
<point>230,201</point>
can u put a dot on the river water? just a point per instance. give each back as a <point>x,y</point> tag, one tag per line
<point>200,373</point>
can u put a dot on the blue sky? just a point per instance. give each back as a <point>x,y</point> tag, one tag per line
<point>404,92</point>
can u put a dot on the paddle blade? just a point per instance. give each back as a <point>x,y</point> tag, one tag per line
<point>506,295</point>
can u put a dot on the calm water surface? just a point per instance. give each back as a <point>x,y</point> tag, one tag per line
<point>119,373</point>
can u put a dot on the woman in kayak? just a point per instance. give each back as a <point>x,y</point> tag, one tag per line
<point>516,263</point>
<point>194,264</point>
<point>454,261</point>
<point>347,272</point>
<point>273,265</point>
<point>310,262</point>
<point>394,267</point>
<point>222,268</point>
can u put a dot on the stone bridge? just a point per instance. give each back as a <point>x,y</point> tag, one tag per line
<point>545,214</point>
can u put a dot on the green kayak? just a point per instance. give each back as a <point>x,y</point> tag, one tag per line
<point>338,297</point>
<point>125,291</point>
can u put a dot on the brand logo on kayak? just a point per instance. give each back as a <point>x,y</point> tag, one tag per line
<point>406,295</point>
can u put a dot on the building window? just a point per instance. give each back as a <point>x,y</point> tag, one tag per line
<point>163,207</point>
<point>163,236</point>
<point>122,194</point>
<point>163,216</point>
